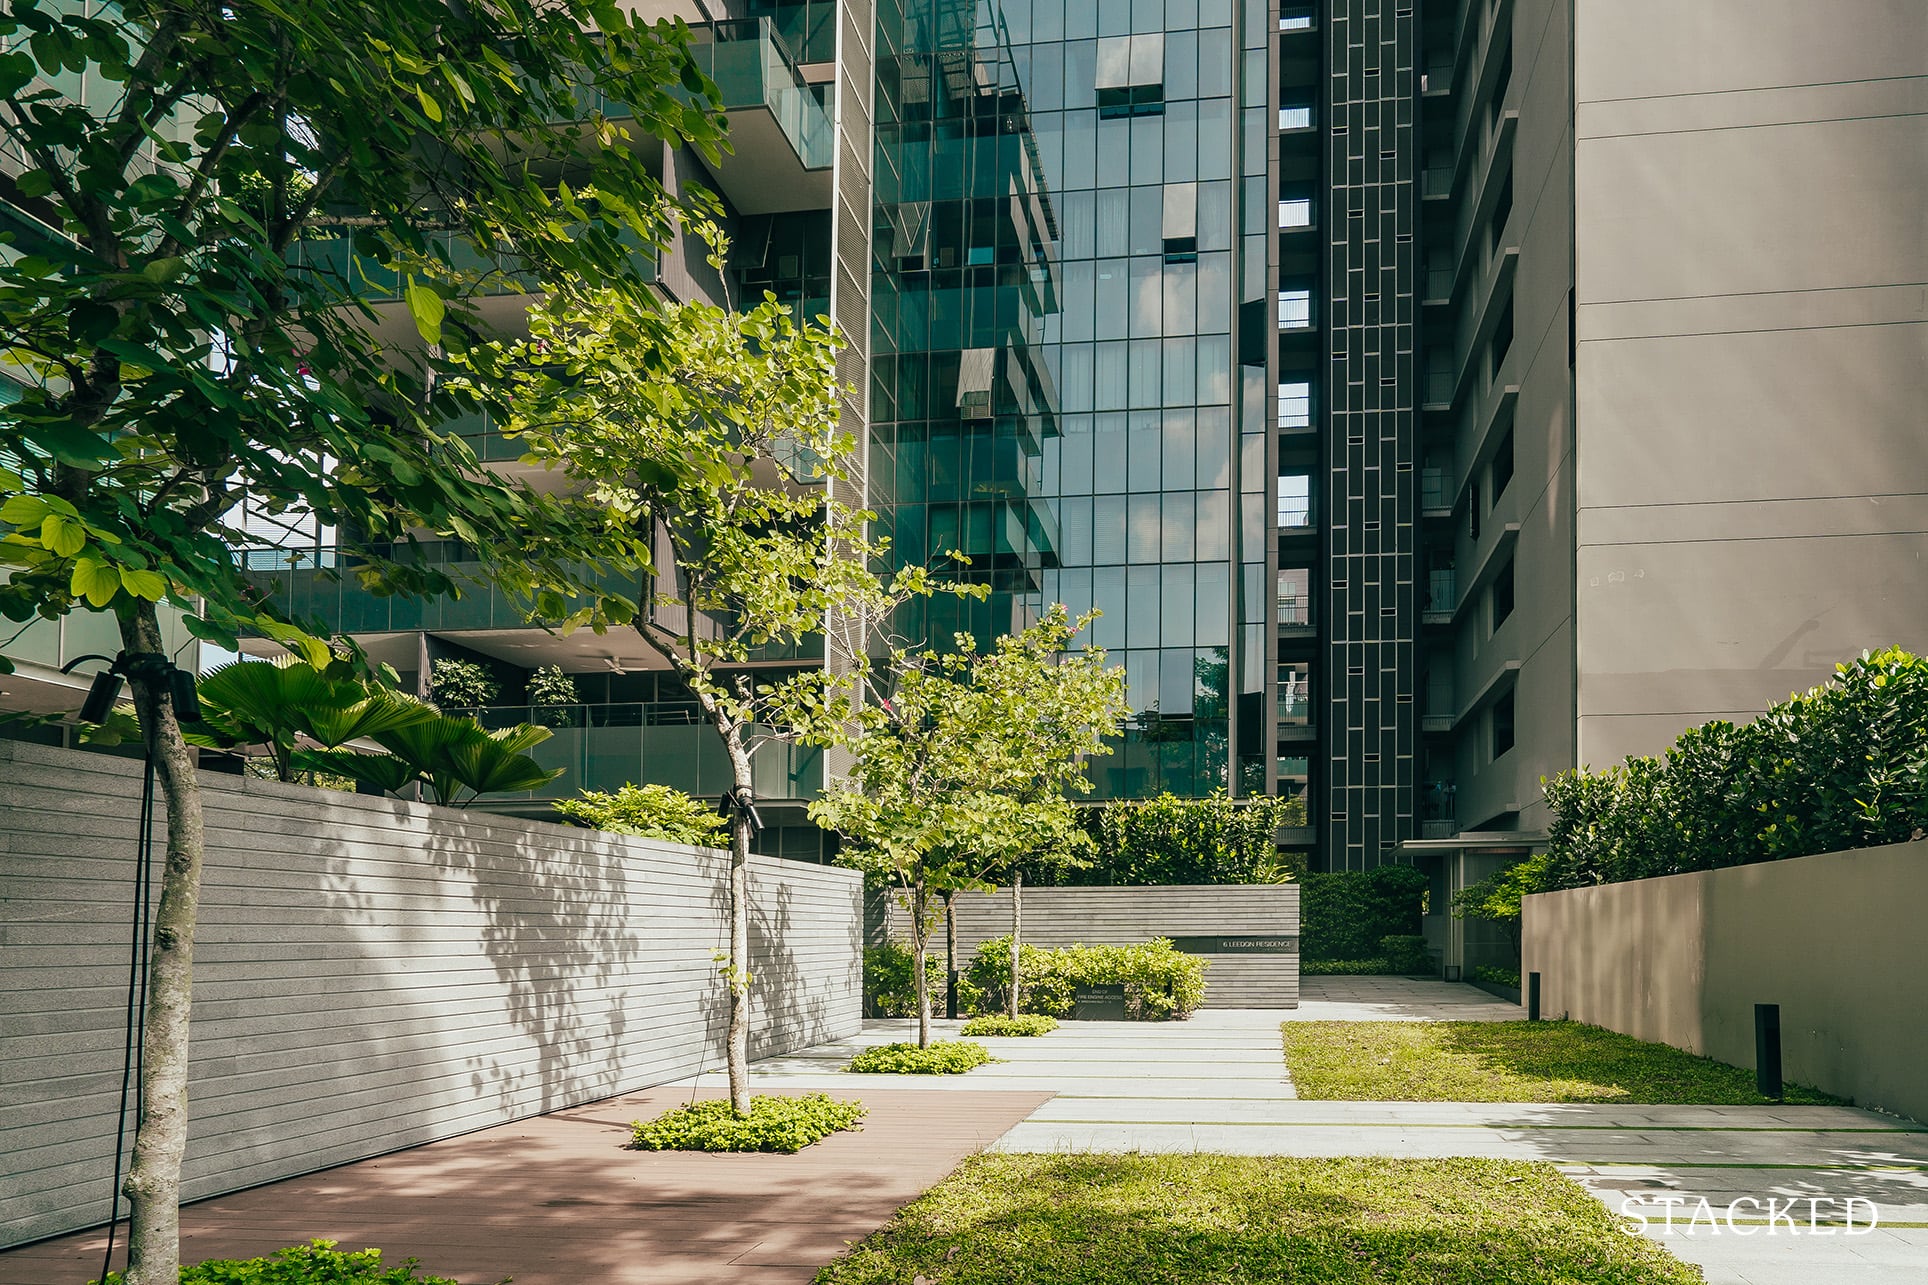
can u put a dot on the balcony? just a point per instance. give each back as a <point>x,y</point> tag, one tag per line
<point>780,131</point>
<point>604,747</point>
<point>1442,596</point>
<point>495,275</point>
<point>1435,493</point>
<point>1295,615</point>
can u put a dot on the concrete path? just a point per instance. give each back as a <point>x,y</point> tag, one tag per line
<point>1216,1083</point>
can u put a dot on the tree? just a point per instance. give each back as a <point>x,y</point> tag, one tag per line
<point>1497,898</point>
<point>201,320</point>
<point>649,811</point>
<point>964,762</point>
<point>712,438</point>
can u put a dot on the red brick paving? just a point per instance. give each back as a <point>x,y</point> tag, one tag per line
<point>555,1200</point>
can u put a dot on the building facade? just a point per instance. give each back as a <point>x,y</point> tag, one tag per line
<point>1433,395</point>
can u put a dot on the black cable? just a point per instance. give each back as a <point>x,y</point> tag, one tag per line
<point>133,1054</point>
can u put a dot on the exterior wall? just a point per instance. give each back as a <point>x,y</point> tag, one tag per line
<point>1124,916</point>
<point>1835,940</point>
<point>371,974</point>
<point>1531,653</point>
<point>1750,183</point>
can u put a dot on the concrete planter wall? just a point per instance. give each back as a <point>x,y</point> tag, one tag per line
<point>371,975</point>
<point>1835,940</point>
<point>1257,924</point>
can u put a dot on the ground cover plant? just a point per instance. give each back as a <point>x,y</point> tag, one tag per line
<point>785,1124</point>
<point>1508,1062</point>
<point>939,1057</point>
<point>1239,1220</point>
<point>1000,1024</point>
<point>316,1263</point>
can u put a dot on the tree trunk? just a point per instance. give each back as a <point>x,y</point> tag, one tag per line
<point>737,970</point>
<point>153,1185</point>
<point>920,936</point>
<point>950,955</point>
<point>1017,928</point>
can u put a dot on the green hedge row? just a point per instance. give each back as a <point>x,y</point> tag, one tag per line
<point>1844,765</point>
<point>1349,914</point>
<point>1160,981</point>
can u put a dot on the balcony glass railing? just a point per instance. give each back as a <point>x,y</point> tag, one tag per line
<point>1442,592</point>
<point>1295,609</point>
<point>604,747</point>
<point>1434,492</point>
<point>752,68</point>
<point>494,273</point>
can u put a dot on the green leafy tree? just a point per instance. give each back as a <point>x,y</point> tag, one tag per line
<point>548,685</point>
<point>712,439</point>
<point>1498,897</point>
<point>464,684</point>
<point>225,195</point>
<point>1169,840</point>
<point>650,811</point>
<point>964,763</point>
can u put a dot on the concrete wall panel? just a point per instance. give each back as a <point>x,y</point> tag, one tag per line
<point>1124,916</point>
<point>1835,940</point>
<point>370,975</point>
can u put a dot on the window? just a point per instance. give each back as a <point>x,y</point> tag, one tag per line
<point>1295,693</point>
<point>1502,593</point>
<point>1502,211</point>
<point>1131,75</point>
<point>1472,512</point>
<point>1298,116</point>
<point>1295,405</point>
<point>1503,724</point>
<point>1181,223</point>
<point>1502,341</point>
<point>1502,466</point>
<point>1295,595</point>
<point>1295,309</point>
<point>1295,212</point>
<point>1295,500</point>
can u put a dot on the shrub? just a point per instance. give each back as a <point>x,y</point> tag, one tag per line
<point>786,1124</point>
<point>651,811</point>
<point>1496,898</point>
<point>548,685</point>
<point>1844,765</point>
<point>1497,976</point>
<point>943,1057</point>
<point>1160,981</point>
<point>316,1263</point>
<point>888,989</point>
<point>1170,840</point>
<point>462,683</point>
<point>999,1024</point>
<point>1345,914</point>
<point>1348,968</point>
<point>1406,953</point>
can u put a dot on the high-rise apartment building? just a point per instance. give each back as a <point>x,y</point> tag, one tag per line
<point>1432,394</point>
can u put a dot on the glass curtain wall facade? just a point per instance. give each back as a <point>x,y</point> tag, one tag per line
<point>1071,210</point>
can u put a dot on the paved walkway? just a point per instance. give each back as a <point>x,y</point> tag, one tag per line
<point>554,1201</point>
<point>1216,1083</point>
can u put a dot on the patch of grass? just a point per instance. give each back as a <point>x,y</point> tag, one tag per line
<point>785,1124</point>
<point>1508,1062</point>
<point>943,1057</point>
<point>1239,1220</point>
<point>1001,1024</point>
<point>316,1263</point>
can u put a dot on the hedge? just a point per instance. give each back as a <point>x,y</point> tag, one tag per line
<point>1160,981</point>
<point>1346,914</point>
<point>1844,765</point>
<point>1171,840</point>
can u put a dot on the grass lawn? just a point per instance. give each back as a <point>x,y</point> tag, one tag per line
<point>1507,1062</point>
<point>1234,1220</point>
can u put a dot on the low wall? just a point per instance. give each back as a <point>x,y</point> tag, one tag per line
<point>371,974</point>
<point>1835,940</point>
<point>1264,916</point>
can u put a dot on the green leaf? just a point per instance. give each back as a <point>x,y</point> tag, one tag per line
<point>33,183</point>
<point>430,108</point>
<point>96,581</point>
<point>427,308</point>
<point>151,585</point>
<point>23,510</point>
<point>63,536</point>
<point>208,631</point>
<point>163,271</point>
<point>92,321</point>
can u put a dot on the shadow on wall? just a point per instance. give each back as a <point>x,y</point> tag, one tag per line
<point>557,928</point>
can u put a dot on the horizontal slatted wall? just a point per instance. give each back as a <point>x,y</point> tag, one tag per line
<point>1122,916</point>
<point>370,975</point>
